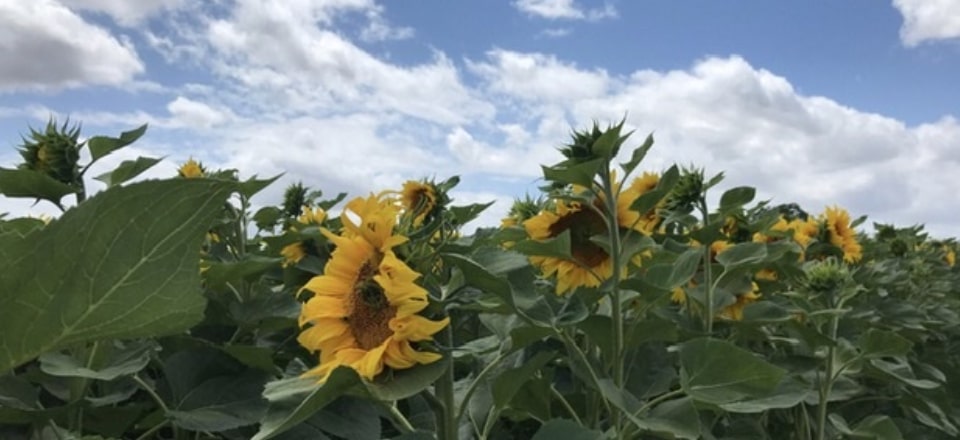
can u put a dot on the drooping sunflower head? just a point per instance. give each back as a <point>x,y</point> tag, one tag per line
<point>688,192</point>
<point>373,218</point>
<point>735,311</point>
<point>191,169</point>
<point>419,200</point>
<point>294,198</point>
<point>641,222</point>
<point>363,313</point>
<point>841,233</point>
<point>54,151</point>
<point>311,216</point>
<point>292,254</point>
<point>590,264</point>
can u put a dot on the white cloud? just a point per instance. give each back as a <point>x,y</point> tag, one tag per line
<point>45,46</point>
<point>194,114</point>
<point>555,32</point>
<point>927,20</point>
<point>124,12</point>
<point>726,115</point>
<point>564,9</point>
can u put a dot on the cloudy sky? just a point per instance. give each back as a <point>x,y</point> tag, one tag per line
<point>845,102</point>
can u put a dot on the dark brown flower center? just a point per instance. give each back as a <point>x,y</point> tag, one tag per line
<point>369,311</point>
<point>582,225</point>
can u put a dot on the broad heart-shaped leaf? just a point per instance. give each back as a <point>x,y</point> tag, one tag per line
<point>676,417</point>
<point>874,427</point>
<point>734,198</point>
<point>103,145</point>
<point>347,417</point>
<point>509,382</point>
<point>567,430</point>
<point>294,400</point>
<point>122,359</point>
<point>677,273</point>
<point>879,343</point>
<point>123,264</point>
<point>788,393</point>
<point>718,372</point>
<point>32,184</point>
<point>556,247</point>
<point>127,170</point>
<point>742,253</point>
<point>574,173</point>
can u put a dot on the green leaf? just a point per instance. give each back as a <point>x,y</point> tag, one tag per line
<point>678,418</point>
<point>123,264</point>
<point>877,343</point>
<point>16,392</point>
<point>464,214</point>
<point>479,277</point>
<point>347,417</point>
<point>677,273</point>
<point>32,184</point>
<point>267,217</point>
<point>608,144</point>
<point>222,402</point>
<point>295,400</point>
<point>742,253</point>
<point>900,370</point>
<point>638,154</point>
<point>127,170</point>
<point>734,198</point>
<point>718,372</point>
<point>103,145</point>
<point>509,382</point>
<point>574,173</point>
<point>877,427</point>
<point>650,199</point>
<point>405,383</point>
<point>121,360</point>
<point>556,247</point>
<point>567,430</point>
<point>253,185</point>
<point>788,393</point>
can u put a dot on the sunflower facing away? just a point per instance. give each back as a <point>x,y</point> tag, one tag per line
<point>590,265</point>
<point>363,313</point>
<point>837,222</point>
<point>418,199</point>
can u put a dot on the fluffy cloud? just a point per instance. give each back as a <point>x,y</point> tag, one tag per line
<point>124,12</point>
<point>46,46</point>
<point>194,114</point>
<point>563,9</point>
<point>727,115</point>
<point>925,20</point>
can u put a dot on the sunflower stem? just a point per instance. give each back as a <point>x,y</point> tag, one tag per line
<point>444,387</point>
<point>400,421</point>
<point>707,267</point>
<point>826,381</point>
<point>613,229</point>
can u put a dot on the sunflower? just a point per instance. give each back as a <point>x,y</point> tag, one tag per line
<point>841,235</point>
<point>418,199</point>
<point>191,169</point>
<point>311,216</point>
<point>292,254</point>
<point>626,217</point>
<point>804,230</point>
<point>363,313</point>
<point>949,256</point>
<point>735,311</point>
<point>590,264</point>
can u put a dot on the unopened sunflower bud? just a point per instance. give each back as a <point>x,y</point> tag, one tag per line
<point>55,151</point>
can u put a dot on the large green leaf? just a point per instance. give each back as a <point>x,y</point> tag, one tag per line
<point>719,372</point>
<point>103,145</point>
<point>879,343</point>
<point>120,360</point>
<point>33,184</point>
<point>294,400</point>
<point>127,170</point>
<point>123,264</point>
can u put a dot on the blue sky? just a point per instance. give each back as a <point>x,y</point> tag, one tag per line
<point>818,102</point>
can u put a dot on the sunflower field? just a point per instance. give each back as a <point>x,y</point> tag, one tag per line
<point>619,303</point>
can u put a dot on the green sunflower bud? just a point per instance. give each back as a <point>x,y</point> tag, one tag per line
<point>827,276</point>
<point>293,199</point>
<point>688,192</point>
<point>54,151</point>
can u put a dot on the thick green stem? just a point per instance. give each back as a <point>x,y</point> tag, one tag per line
<point>464,404</point>
<point>78,388</point>
<point>448,420</point>
<point>826,383</point>
<point>400,420</point>
<point>613,228</point>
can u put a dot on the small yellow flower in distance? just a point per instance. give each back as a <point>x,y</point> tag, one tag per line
<point>292,254</point>
<point>312,216</point>
<point>735,311</point>
<point>950,257</point>
<point>837,221</point>
<point>191,169</point>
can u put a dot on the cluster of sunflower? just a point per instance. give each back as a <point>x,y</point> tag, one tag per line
<point>363,311</point>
